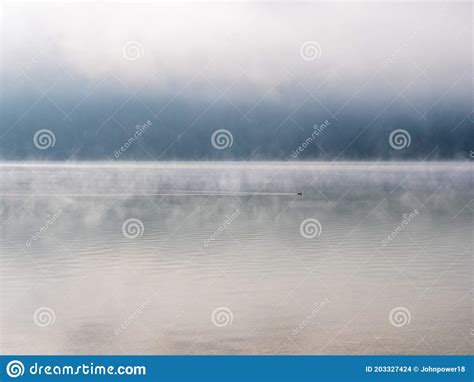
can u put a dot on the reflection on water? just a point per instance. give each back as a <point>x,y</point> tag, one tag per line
<point>109,272</point>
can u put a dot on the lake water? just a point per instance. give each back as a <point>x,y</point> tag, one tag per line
<point>200,258</point>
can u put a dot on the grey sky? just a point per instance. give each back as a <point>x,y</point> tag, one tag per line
<point>246,66</point>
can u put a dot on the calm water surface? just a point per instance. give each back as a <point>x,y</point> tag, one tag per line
<point>234,273</point>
